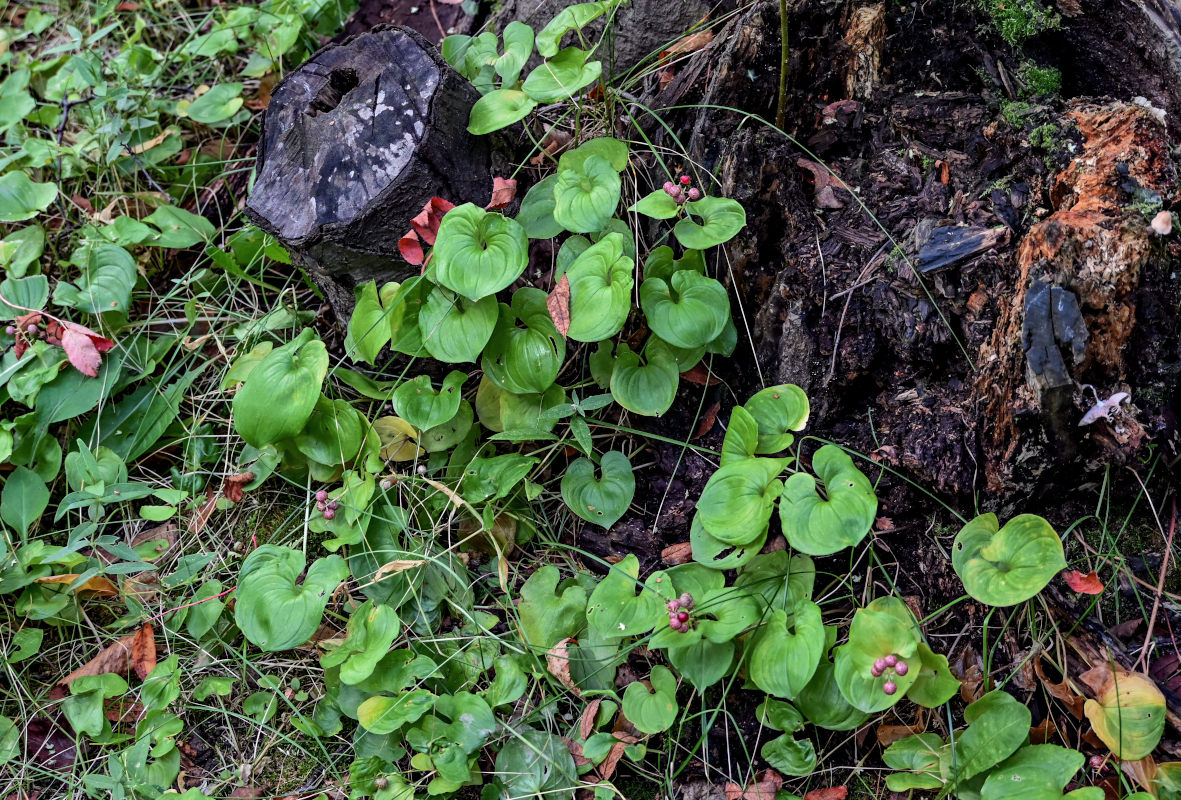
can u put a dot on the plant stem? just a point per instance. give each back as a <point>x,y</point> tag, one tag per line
<point>781,106</point>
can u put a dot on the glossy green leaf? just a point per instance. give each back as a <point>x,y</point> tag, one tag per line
<point>179,228</point>
<point>561,77</point>
<point>295,372</point>
<point>918,756</point>
<point>523,360</point>
<point>661,263</point>
<point>446,435</point>
<point>652,711</point>
<point>935,684</point>
<point>648,389</point>
<point>108,276</point>
<point>736,504</point>
<point>477,252</point>
<point>21,198</point>
<point>537,210</point>
<point>333,434</point>
<point>20,250</point>
<point>499,109</point>
<point>547,616</point>
<point>1005,566</point>
<point>568,19</point>
<point>821,700</point>
<point>455,329</point>
<point>778,581</point>
<point>716,554</point>
<point>216,105</point>
<point>605,147</point>
<point>509,685</point>
<point>657,205</point>
<point>822,526</point>
<point>586,195</point>
<point>601,500</point>
<point>17,294</point>
<point>778,410</point>
<point>369,326</point>
<point>1059,763</point>
<point>1019,784</point>
<point>742,437</point>
<point>371,631</point>
<point>535,765</point>
<point>997,725</point>
<point>620,605</point>
<point>790,756</point>
<point>721,219</point>
<point>702,664</point>
<point>786,651</point>
<point>417,401</point>
<point>381,714</point>
<point>601,283</point>
<point>518,46</point>
<point>689,310</point>
<point>274,611</point>
<point>884,627</point>
<point>23,500</point>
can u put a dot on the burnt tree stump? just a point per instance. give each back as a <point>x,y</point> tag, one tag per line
<point>354,143</point>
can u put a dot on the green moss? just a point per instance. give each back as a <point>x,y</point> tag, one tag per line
<point>1018,20</point>
<point>1040,80</point>
<point>1015,111</point>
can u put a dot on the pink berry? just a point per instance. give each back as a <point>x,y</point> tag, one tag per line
<point>685,180</point>
<point>891,660</point>
<point>669,186</point>
<point>901,668</point>
<point>694,193</point>
<point>333,505</point>
<point>329,513</point>
<point>386,484</point>
<point>682,616</point>
<point>11,329</point>
<point>321,495</point>
<point>880,665</point>
<point>675,624</point>
<point>31,328</point>
<point>686,600</point>
<point>1096,762</point>
<point>320,506</point>
<point>889,687</point>
<point>674,605</point>
<point>877,673</point>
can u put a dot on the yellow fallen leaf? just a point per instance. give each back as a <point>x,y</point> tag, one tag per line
<point>399,439</point>
<point>97,586</point>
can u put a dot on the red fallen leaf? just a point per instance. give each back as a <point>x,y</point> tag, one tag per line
<point>426,224</point>
<point>763,787</point>
<point>558,303</point>
<point>689,44</point>
<point>831,793</point>
<point>127,6</point>
<point>503,192</point>
<point>701,376</point>
<point>232,486</point>
<point>411,249</point>
<point>84,347</point>
<point>1083,584</point>
<point>707,420</point>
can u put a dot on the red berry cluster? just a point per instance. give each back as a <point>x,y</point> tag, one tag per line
<point>889,662</point>
<point>325,506</point>
<point>678,612</point>
<point>679,192</point>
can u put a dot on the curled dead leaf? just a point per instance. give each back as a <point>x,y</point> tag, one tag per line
<point>586,724</point>
<point>558,304</point>
<point>232,486</point>
<point>888,734</point>
<point>680,553</point>
<point>708,418</point>
<point>504,191</point>
<point>763,787</point>
<point>701,376</point>
<point>136,651</point>
<point>689,44</point>
<point>831,793</point>
<point>98,586</point>
<point>557,662</point>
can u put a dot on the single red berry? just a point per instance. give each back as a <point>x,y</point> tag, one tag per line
<point>877,673</point>
<point>684,180</point>
<point>329,513</point>
<point>333,505</point>
<point>682,616</point>
<point>880,665</point>
<point>321,495</point>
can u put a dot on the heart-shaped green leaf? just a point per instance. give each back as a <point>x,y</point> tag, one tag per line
<point>216,105</point>
<point>546,616</point>
<point>1009,565</point>
<point>524,360</point>
<point>604,500</point>
<point>1059,763</point>
<point>721,219</point>
<point>417,402</point>
<point>648,389</point>
<point>403,306</point>
<point>446,435</point>
<point>293,372</point>
<point>742,437</point>
<point>273,609</point>
<point>790,756</point>
<point>935,684</point>
<point>108,275</point>
<point>383,714</point>
<point>661,263</point>
<point>17,294</point>
<point>536,765</point>
<point>702,664</point>
<point>371,630</point>
<point>499,109</point>
<point>518,46</point>
<point>537,210</point>
<point>334,433</point>
<point>736,504</point>
<point>716,554</point>
<point>821,700</point>
<point>562,76</point>
<point>919,757</point>
<point>778,410</point>
<point>477,253</point>
<point>600,290</point>
<point>689,310</point>
<point>620,605</point>
<point>779,581</point>
<point>21,248</point>
<point>997,725</point>
<point>474,57</point>
<point>1128,714</point>
<point>21,198</point>
<point>719,614</point>
<point>569,19</point>
<point>652,711</point>
<point>821,527</point>
<point>657,205</point>
<point>586,195</point>
<point>455,329</point>
<point>369,326</point>
<point>786,651</point>
<point>884,627</point>
<point>606,147</point>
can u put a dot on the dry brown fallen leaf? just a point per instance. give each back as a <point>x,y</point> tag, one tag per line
<point>763,787</point>
<point>708,418</point>
<point>586,724</point>
<point>689,44</point>
<point>231,487</point>
<point>888,734</point>
<point>701,376</point>
<point>675,554</point>
<point>607,768</point>
<point>557,661</point>
<point>136,651</point>
<point>558,303</point>
<point>98,586</point>
<point>831,793</point>
<point>504,191</point>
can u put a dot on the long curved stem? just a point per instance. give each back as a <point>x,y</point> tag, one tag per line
<point>781,107</point>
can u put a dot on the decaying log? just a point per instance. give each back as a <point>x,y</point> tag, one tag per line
<point>355,142</point>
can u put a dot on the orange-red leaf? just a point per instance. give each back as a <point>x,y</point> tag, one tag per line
<point>504,190</point>
<point>232,486</point>
<point>558,303</point>
<point>701,376</point>
<point>831,793</point>
<point>1083,584</point>
<point>426,224</point>
<point>84,347</point>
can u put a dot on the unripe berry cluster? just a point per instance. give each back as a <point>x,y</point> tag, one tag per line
<point>680,192</point>
<point>678,612</point>
<point>893,662</point>
<point>325,506</point>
